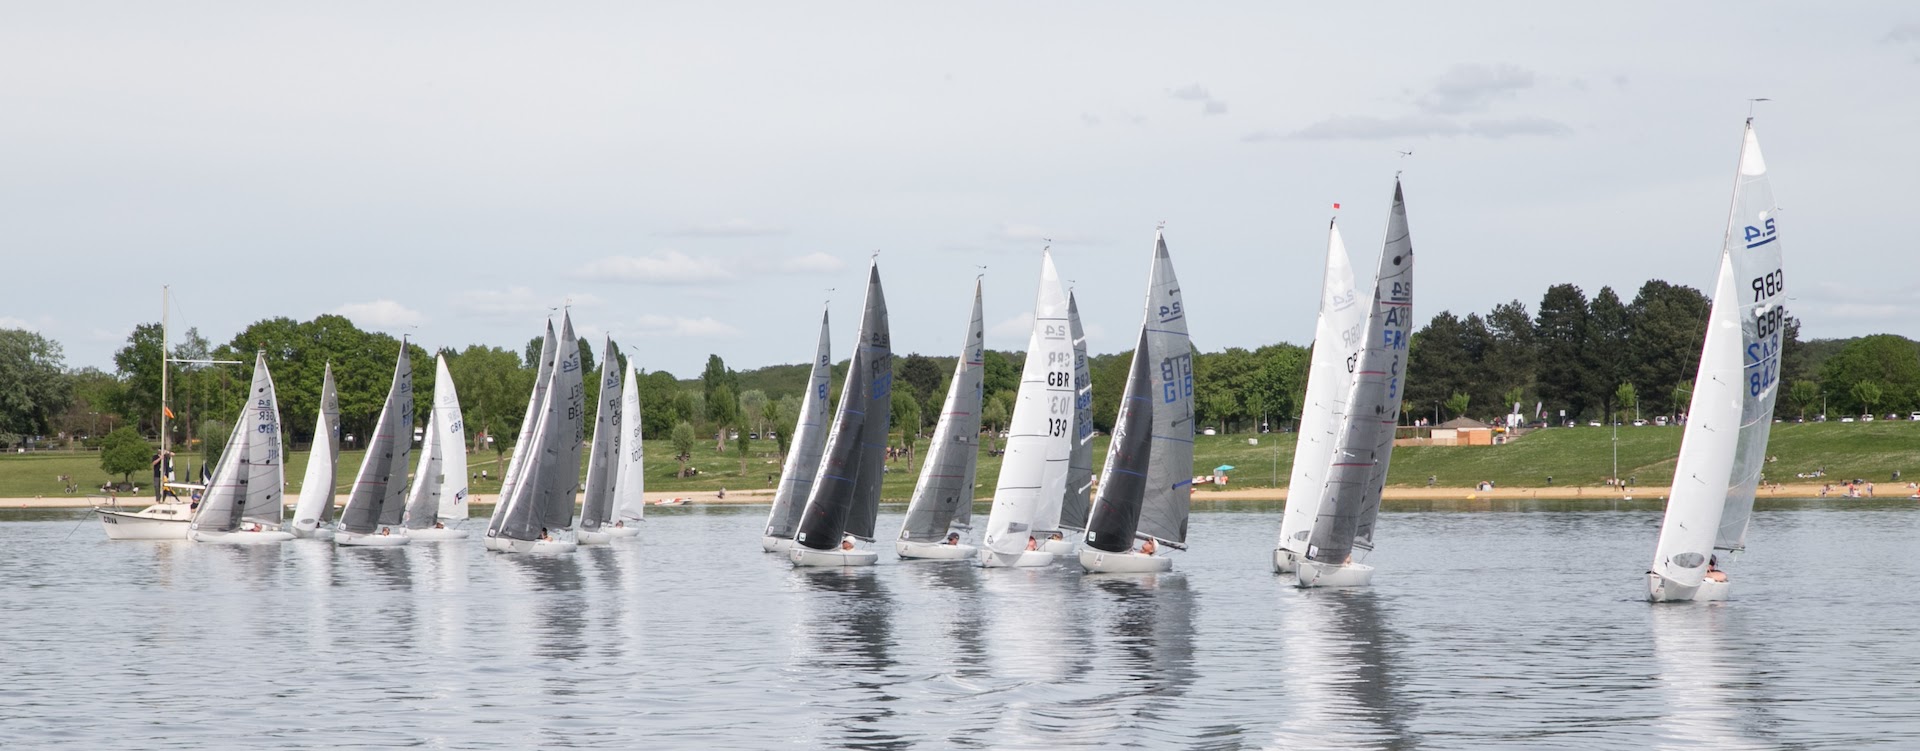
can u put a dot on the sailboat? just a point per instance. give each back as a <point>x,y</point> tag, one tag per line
<point>943,499</point>
<point>803,453</point>
<point>540,502</point>
<point>522,462</point>
<point>378,501</point>
<point>1152,506</point>
<point>1336,342</point>
<point>1723,450</point>
<point>439,493</point>
<point>1077,502</point>
<point>1033,471</point>
<point>1351,499</point>
<point>313,513</point>
<point>169,517</point>
<point>845,498</point>
<point>630,477</point>
<point>243,503</point>
<point>596,505</point>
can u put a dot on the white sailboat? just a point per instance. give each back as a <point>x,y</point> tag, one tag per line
<point>1033,471</point>
<point>1724,447</point>
<point>803,453</point>
<point>1336,342</point>
<point>845,498</point>
<point>596,504</point>
<point>630,477</point>
<point>170,516</point>
<point>942,500</point>
<point>244,503</point>
<point>378,502</point>
<point>1152,506</point>
<point>1357,472</point>
<point>527,446</point>
<point>313,513</point>
<point>1076,503</point>
<point>538,511</point>
<point>439,494</point>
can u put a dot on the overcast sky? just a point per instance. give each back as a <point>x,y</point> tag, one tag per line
<point>694,177</point>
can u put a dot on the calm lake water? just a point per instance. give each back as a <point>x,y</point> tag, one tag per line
<point>1518,628</point>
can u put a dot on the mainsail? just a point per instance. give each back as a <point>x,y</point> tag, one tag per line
<point>315,506</point>
<point>630,477</point>
<point>246,486</point>
<point>845,497</point>
<point>1115,518</point>
<point>380,489</point>
<point>1074,506</point>
<point>440,484</point>
<point>1719,465</point>
<point>564,428</point>
<point>596,507</point>
<point>524,450</point>
<point>1365,443</point>
<point>1033,471</point>
<point>808,442</point>
<point>1163,514</point>
<point>944,496</point>
<point>1336,346</point>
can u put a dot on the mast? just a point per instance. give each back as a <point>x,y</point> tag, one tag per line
<point>160,484</point>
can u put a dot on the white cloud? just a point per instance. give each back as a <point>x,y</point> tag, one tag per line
<point>9,322</point>
<point>1018,327</point>
<point>813,263</point>
<point>654,324</point>
<point>1517,126</point>
<point>729,228</point>
<point>1468,88</point>
<point>1365,127</point>
<point>1194,92</point>
<point>664,267</point>
<point>380,314</point>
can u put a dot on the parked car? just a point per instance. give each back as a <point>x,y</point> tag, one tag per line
<point>1639,423</point>
<point>1846,419</point>
<point>1914,416</point>
<point>1866,418</point>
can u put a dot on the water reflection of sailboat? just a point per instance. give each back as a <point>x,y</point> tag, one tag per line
<point>1705,685</point>
<point>848,627</point>
<point>1339,674</point>
<point>957,589</point>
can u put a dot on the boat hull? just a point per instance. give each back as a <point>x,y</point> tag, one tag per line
<point>121,525</point>
<point>932,551</point>
<point>1022,559</point>
<point>1102,562</point>
<point>240,537</point>
<point>618,532</point>
<point>1313,573</point>
<point>432,534</point>
<point>351,540</point>
<point>311,531</point>
<point>592,536</point>
<point>803,556</point>
<point>1285,561</point>
<point>538,547</point>
<point>776,544</point>
<point>1057,547</point>
<point>1662,589</point>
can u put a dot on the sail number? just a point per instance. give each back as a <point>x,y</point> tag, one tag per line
<point>1756,237</point>
<point>1170,311</point>
<point>1176,378</point>
<point>1769,285</point>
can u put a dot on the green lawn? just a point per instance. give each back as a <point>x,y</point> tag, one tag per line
<point>1573,456</point>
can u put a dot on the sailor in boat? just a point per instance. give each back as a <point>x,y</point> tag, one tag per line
<point>1032,544</point>
<point>439,525</point>
<point>1149,547</point>
<point>953,538</point>
<point>544,535</point>
<point>846,543</point>
<point>1713,569</point>
<point>385,531</point>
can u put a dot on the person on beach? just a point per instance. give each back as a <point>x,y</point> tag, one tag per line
<point>1713,570</point>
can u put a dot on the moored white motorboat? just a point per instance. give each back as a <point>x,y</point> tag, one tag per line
<point>161,521</point>
<point>802,555</point>
<point>989,558</point>
<point>436,534</point>
<point>933,551</point>
<point>1099,561</point>
<point>1312,573</point>
<point>394,538</point>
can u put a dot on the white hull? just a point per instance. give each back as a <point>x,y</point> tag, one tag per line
<point>932,551</point>
<point>776,544</point>
<point>542,547</point>
<point>431,534</point>
<point>1057,547</point>
<point>621,531</point>
<point>1316,574</point>
<point>1102,562</point>
<point>240,537</point>
<point>593,536</point>
<point>157,522</point>
<point>802,555</point>
<point>1661,589</point>
<point>376,540</point>
<point>1284,561</point>
<point>311,531</point>
<point>1022,559</point>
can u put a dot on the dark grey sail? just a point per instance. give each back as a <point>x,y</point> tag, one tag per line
<point>943,498</point>
<point>521,518</point>
<point>1115,518</point>
<point>845,498</point>
<point>379,496</point>
<point>1075,506</point>
<point>565,429</point>
<point>596,506</point>
<point>1365,442</point>
<point>809,441</point>
<point>523,451</point>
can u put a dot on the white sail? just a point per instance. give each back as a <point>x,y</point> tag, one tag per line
<point>524,450</point>
<point>808,444</point>
<point>1163,512</point>
<point>439,491</point>
<point>315,506</point>
<point>630,477</point>
<point>423,495</point>
<point>265,469</point>
<point>1723,450</point>
<point>224,496</point>
<point>1033,472</point>
<point>1336,346</point>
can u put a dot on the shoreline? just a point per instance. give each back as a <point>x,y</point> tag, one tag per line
<point>1785,491</point>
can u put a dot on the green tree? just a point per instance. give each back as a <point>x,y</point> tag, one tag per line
<point>1510,359</point>
<point>1279,386</point>
<point>1866,394</point>
<point>494,386</point>
<point>1515,395</point>
<point>722,411</point>
<point>1625,398</point>
<point>1608,331</point>
<point>740,447</point>
<point>906,418</point>
<point>1803,394</point>
<point>924,375</point>
<point>716,375</point>
<point>123,452</point>
<point>1439,365</point>
<point>1667,323</point>
<point>753,409</point>
<point>33,385</point>
<point>1456,404</point>
<point>138,364</point>
<point>1891,362</point>
<point>213,440</point>
<point>995,415</point>
<point>1109,381</point>
<point>683,444</point>
<point>998,374</point>
<point>1561,331</point>
<point>1682,396</point>
<point>776,417</point>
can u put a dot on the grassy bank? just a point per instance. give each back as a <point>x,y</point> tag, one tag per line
<point>1572,456</point>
